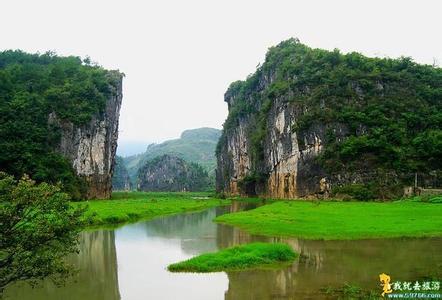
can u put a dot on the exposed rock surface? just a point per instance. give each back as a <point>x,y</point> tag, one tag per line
<point>91,148</point>
<point>173,174</point>
<point>291,168</point>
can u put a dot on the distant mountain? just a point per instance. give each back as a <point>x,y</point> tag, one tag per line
<point>168,173</point>
<point>194,145</point>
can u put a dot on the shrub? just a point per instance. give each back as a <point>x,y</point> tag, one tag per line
<point>357,191</point>
<point>38,228</point>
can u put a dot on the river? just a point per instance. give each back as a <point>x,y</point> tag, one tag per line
<point>130,263</point>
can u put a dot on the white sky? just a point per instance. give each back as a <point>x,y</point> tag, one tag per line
<point>180,56</point>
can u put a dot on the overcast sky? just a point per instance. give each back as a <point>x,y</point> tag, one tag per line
<point>180,56</point>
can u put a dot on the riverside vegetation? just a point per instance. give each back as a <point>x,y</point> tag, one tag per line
<point>341,220</point>
<point>255,255</point>
<point>132,206</point>
<point>296,218</point>
<point>38,229</point>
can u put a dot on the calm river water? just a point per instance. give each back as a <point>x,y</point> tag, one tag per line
<point>130,263</point>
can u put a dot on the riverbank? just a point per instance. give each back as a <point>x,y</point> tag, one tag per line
<point>340,220</point>
<point>127,207</point>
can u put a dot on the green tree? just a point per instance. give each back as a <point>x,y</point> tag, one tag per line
<point>38,228</point>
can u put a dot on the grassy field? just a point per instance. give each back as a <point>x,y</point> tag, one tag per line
<point>132,206</point>
<point>340,220</point>
<point>256,255</point>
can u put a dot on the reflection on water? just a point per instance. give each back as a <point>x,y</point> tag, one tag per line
<point>143,250</point>
<point>334,263</point>
<point>97,277</point>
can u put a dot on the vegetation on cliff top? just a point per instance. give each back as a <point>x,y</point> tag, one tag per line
<point>31,87</point>
<point>390,108</point>
<point>255,255</point>
<point>133,206</point>
<point>341,220</point>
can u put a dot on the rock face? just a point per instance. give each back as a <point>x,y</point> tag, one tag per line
<point>290,168</point>
<point>91,148</point>
<point>309,120</point>
<point>172,174</point>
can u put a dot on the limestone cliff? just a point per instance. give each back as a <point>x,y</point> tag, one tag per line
<point>290,169</point>
<point>91,147</point>
<point>310,120</point>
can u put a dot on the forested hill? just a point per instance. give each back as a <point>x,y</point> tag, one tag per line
<point>49,105</point>
<point>311,120</point>
<point>169,173</point>
<point>194,145</point>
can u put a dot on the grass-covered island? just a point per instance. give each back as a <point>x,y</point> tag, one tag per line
<point>127,207</point>
<point>249,256</point>
<point>340,220</point>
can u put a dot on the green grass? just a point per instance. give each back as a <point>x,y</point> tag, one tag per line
<point>340,220</point>
<point>127,207</point>
<point>250,256</point>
